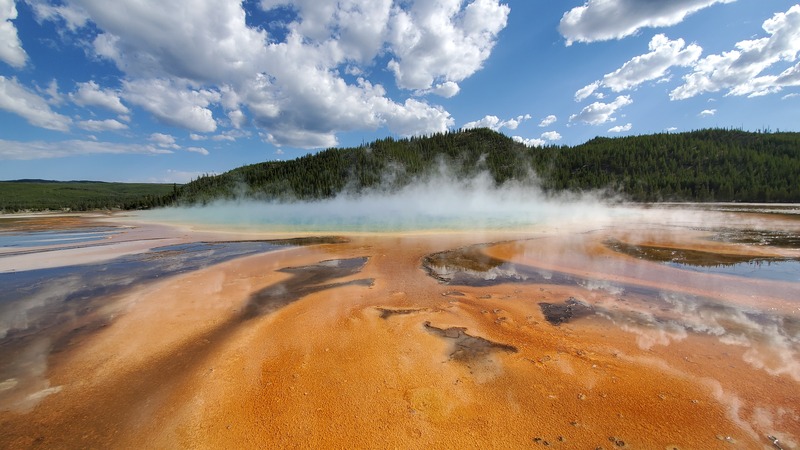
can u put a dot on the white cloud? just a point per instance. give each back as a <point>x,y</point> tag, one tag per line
<point>73,17</point>
<point>17,99</point>
<point>602,20</point>
<point>707,112</point>
<point>301,139</point>
<point>199,150</point>
<point>197,137</point>
<point>180,58</point>
<point>440,40</point>
<point>664,54</point>
<point>237,118</point>
<point>54,97</point>
<point>102,125</point>
<point>530,142</point>
<point>11,50</point>
<point>551,136</point>
<point>654,65</point>
<point>599,113</point>
<point>788,96</point>
<point>90,94</point>
<point>740,70</point>
<point>164,140</point>
<point>229,135</point>
<point>494,122</point>
<point>547,121</point>
<point>41,150</point>
<point>584,92</point>
<point>173,104</point>
<point>447,89</point>
<point>671,129</point>
<point>621,128</point>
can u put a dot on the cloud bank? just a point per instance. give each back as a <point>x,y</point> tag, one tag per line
<point>740,70</point>
<point>299,71</point>
<point>664,53</point>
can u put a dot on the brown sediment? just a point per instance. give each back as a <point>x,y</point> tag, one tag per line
<point>389,312</point>
<point>687,257</point>
<point>468,348</point>
<point>352,345</point>
<point>571,308</point>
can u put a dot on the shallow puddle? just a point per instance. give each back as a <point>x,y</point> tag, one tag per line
<point>770,268</point>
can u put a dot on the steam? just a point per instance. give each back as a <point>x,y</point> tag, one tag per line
<point>772,341</point>
<point>438,202</point>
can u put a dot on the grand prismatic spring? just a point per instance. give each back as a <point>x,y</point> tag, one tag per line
<point>649,328</point>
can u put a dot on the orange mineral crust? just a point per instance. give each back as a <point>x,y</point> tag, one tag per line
<point>438,340</point>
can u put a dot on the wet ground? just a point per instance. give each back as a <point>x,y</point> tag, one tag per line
<point>614,335</point>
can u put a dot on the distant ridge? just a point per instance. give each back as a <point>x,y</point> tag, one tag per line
<point>720,165</point>
<point>48,195</point>
<point>703,165</point>
<point>36,180</point>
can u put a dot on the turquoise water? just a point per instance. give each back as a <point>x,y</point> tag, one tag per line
<point>388,214</point>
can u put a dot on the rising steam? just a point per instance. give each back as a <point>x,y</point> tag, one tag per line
<point>439,202</point>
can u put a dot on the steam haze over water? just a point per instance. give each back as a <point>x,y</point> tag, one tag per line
<point>437,203</point>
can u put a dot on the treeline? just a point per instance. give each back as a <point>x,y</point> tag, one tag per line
<point>704,165</point>
<point>42,195</point>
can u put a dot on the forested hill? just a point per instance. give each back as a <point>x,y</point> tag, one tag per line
<point>704,165</point>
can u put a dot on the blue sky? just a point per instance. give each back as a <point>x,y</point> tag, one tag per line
<point>153,91</point>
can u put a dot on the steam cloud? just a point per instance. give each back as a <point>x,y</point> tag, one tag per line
<point>439,202</point>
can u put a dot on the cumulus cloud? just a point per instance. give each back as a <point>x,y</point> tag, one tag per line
<point>19,100</point>
<point>91,94</point>
<point>199,150</point>
<point>533,142</point>
<point>547,121</point>
<point>547,136</point>
<point>584,92</point>
<point>164,140</point>
<point>181,58</point>
<point>551,135</point>
<point>599,113</point>
<point>740,71</point>
<point>447,89</point>
<point>602,20</point>
<point>41,150</point>
<point>435,40</point>
<point>102,125</point>
<point>495,123</point>
<point>663,54</point>
<point>621,128</point>
<point>707,112</point>
<point>11,51</point>
<point>237,118</point>
<point>173,104</point>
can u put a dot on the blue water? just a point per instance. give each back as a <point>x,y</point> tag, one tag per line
<point>440,210</point>
<point>776,270</point>
<point>44,238</point>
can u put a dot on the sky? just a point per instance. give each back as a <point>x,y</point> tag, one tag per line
<point>155,91</point>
